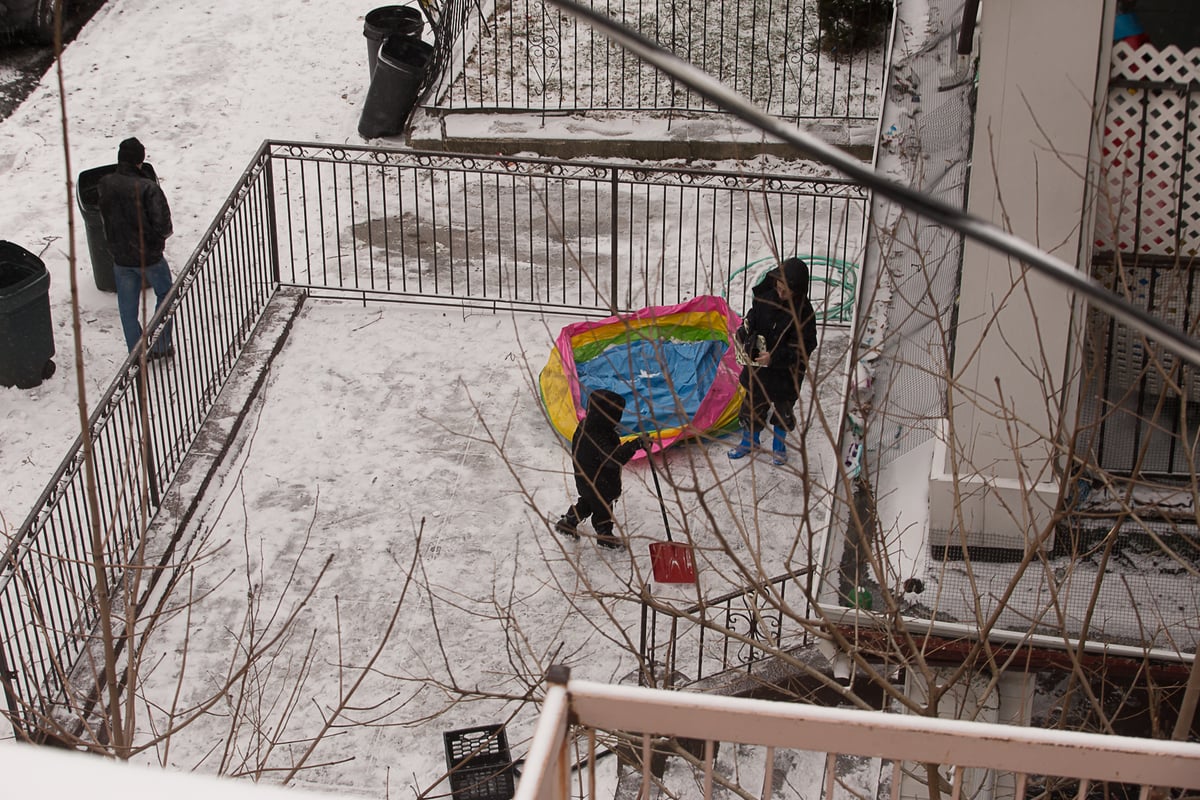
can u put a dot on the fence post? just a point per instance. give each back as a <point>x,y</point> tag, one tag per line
<point>143,396</point>
<point>643,642</point>
<point>272,219</point>
<point>616,247</point>
<point>7,675</point>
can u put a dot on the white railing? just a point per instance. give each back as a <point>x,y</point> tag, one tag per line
<point>579,718</point>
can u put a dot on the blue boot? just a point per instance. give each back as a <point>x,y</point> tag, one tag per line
<point>779,446</point>
<point>745,445</point>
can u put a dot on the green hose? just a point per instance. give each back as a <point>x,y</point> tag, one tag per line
<point>847,282</point>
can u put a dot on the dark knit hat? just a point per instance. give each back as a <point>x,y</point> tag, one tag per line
<point>131,151</point>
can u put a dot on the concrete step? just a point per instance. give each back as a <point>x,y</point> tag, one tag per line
<point>611,135</point>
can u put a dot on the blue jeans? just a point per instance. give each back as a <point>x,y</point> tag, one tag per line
<point>130,283</point>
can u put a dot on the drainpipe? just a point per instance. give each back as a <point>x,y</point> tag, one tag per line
<point>966,31</point>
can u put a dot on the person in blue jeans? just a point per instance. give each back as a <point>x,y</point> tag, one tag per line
<point>137,223</point>
<point>779,334</point>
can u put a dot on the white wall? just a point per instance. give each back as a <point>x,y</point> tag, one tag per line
<point>1038,76</point>
<point>44,772</point>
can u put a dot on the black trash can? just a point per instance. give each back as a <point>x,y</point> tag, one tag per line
<point>87,192</point>
<point>388,21</point>
<point>393,92</point>
<point>26,335</point>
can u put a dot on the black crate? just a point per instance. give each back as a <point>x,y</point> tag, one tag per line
<point>479,763</point>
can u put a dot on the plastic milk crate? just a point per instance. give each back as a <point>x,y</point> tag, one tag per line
<point>479,763</point>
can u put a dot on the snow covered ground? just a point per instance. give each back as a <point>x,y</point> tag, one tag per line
<point>410,462</point>
<point>201,85</point>
<point>362,444</point>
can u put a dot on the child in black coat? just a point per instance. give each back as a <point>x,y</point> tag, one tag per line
<point>779,335</point>
<point>598,455</point>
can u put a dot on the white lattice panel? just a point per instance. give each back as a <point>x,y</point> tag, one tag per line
<point>1150,63</point>
<point>1149,199</point>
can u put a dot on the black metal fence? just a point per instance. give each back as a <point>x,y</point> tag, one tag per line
<point>738,630</point>
<point>528,56</point>
<point>140,432</point>
<point>383,225</point>
<point>1147,193</point>
<point>1141,404</point>
<point>578,237</point>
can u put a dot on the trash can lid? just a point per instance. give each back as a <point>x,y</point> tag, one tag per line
<point>393,20</point>
<point>87,187</point>
<point>405,52</point>
<point>19,269</point>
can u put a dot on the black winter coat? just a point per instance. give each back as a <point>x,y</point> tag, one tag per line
<point>137,219</point>
<point>788,327</point>
<point>596,448</point>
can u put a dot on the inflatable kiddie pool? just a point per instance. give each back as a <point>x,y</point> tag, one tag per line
<point>674,365</point>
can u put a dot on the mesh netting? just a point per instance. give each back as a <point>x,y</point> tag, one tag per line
<point>922,259</point>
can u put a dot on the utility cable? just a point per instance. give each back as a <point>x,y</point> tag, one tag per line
<point>985,233</point>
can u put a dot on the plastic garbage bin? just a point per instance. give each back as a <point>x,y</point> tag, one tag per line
<point>87,192</point>
<point>388,21</point>
<point>26,335</point>
<point>393,92</point>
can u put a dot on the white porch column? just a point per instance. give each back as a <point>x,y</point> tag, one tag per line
<point>1039,73</point>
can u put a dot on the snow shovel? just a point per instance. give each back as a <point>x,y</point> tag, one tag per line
<point>672,562</point>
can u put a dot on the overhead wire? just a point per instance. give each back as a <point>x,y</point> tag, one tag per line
<point>810,146</point>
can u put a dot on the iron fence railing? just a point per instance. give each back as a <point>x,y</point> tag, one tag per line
<point>527,56</point>
<point>385,225</point>
<point>1141,405</point>
<point>140,432</point>
<point>737,630</point>
<point>526,233</point>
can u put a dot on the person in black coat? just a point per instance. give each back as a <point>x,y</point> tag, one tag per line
<point>778,334</point>
<point>137,223</point>
<point>598,456</point>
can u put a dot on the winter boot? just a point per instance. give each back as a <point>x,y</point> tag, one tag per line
<point>605,538</point>
<point>566,525</point>
<point>748,443</point>
<point>779,454</point>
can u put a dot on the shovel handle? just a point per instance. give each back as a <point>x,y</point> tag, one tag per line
<point>662,506</point>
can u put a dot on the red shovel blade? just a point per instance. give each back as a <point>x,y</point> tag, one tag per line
<point>672,562</point>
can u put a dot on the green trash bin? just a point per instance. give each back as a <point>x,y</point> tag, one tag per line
<point>87,192</point>
<point>26,335</point>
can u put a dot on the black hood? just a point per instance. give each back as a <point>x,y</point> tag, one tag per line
<point>795,275</point>
<point>608,404</point>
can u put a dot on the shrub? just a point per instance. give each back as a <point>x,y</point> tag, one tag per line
<point>851,25</point>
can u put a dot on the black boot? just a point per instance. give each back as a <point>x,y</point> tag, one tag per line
<point>566,525</point>
<point>605,538</point>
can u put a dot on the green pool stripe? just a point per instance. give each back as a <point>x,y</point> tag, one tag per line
<point>674,333</point>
